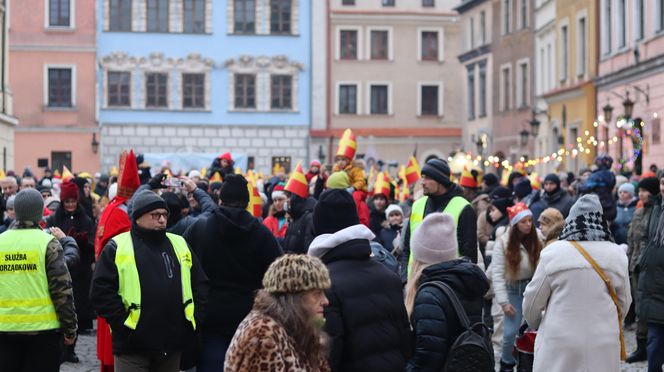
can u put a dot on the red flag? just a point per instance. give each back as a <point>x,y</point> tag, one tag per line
<point>412,171</point>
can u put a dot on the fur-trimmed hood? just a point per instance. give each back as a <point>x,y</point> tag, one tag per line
<point>326,242</point>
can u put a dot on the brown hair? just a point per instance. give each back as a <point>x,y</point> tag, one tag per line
<point>288,310</point>
<point>513,250</point>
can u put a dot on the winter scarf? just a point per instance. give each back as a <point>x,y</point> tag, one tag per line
<point>586,228</point>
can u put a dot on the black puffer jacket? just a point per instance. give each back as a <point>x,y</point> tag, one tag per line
<point>300,231</point>
<point>436,325</point>
<point>366,317</point>
<point>235,250</point>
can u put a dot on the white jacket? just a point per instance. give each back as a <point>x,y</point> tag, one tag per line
<point>499,269</point>
<point>569,302</point>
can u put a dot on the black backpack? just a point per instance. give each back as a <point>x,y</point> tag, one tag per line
<point>472,351</point>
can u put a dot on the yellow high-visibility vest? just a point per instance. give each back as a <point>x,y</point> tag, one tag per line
<point>453,208</point>
<point>129,287</point>
<point>25,301</point>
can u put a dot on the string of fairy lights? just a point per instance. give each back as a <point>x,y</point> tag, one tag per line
<point>583,145</point>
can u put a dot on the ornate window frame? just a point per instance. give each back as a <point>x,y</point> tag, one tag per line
<point>263,67</point>
<point>157,62</point>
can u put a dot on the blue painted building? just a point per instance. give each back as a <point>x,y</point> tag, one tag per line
<point>205,76</point>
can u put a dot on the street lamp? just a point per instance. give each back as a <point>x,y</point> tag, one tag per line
<point>94,143</point>
<point>524,137</point>
<point>608,115</point>
<point>628,105</point>
<point>321,154</point>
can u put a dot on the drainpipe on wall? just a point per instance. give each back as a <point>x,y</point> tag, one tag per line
<point>328,122</point>
<point>596,60</point>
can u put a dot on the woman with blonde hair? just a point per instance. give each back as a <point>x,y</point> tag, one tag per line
<point>515,257</point>
<point>283,332</point>
<point>435,323</point>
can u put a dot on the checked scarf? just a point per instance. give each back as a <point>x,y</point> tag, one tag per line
<point>590,226</point>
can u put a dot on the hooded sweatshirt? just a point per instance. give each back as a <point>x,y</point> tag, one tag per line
<point>235,250</point>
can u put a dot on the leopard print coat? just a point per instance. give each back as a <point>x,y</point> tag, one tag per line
<point>261,344</point>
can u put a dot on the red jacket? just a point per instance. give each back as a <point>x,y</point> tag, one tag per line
<point>272,223</point>
<point>113,221</point>
<point>362,209</point>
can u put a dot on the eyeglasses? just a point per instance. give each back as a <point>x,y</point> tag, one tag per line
<point>156,215</point>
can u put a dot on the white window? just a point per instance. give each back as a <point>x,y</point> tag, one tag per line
<point>60,86</point>
<point>379,98</point>
<point>470,86</point>
<point>505,93</point>
<point>659,15</point>
<point>607,29</point>
<point>639,20</point>
<point>564,53</point>
<point>349,43</point>
<point>430,44</point>
<point>348,98</point>
<point>59,13</point>
<point>523,83</point>
<point>522,11</point>
<point>482,28</point>
<point>380,43</point>
<point>471,34</point>
<point>581,46</point>
<point>430,98</point>
<point>506,16</point>
<point>622,24</point>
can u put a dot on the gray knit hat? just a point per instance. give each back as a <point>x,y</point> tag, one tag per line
<point>146,201</point>
<point>29,205</point>
<point>435,239</point>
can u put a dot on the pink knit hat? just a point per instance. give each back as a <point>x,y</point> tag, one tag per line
<point>435,240</point>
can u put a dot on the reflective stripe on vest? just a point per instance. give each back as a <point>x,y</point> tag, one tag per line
<point>25,301</point>
<point>454,208</point>
<point>129,287</point>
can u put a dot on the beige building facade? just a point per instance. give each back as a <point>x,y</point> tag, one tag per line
<point>392,76</point>
<point>476,57</point>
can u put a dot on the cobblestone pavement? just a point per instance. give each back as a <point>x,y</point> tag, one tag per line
<point>86,349</point>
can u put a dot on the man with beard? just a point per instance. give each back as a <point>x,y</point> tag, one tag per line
<point>442,195</point>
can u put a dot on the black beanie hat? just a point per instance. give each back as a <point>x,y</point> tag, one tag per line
<point>523,188</point>
<point>500,192</point>
<point>234,190</point>
<point>335,210</point>
<point>650,184</point>
<point>438,170</point>
<point>552,177</point>
<point>502,204</point>
<point>146,201</point>
<point>490,179</point>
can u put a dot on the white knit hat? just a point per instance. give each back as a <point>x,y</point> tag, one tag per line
<point>393,208</point>
<point>435,240</point>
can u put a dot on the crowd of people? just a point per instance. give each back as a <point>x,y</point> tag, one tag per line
<point>332,273</point>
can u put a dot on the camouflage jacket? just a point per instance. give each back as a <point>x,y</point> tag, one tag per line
<point>637,235</point>
<point>59,282</point>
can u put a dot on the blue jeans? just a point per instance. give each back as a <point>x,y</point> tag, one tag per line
<point>213,353</point>
<point>655,347</point>
<point>511,324</point>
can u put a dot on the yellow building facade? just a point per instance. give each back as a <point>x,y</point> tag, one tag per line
<point>571,104</point>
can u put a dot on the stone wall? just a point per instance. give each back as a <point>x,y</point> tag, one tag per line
<point>261,142</point>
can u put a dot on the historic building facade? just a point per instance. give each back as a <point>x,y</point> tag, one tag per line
<point>631,74</point>
<point>205,76</point>
<point>391,74</point>
<point>52,54</point>
<point>476,20</point>
<point>8,121</point>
